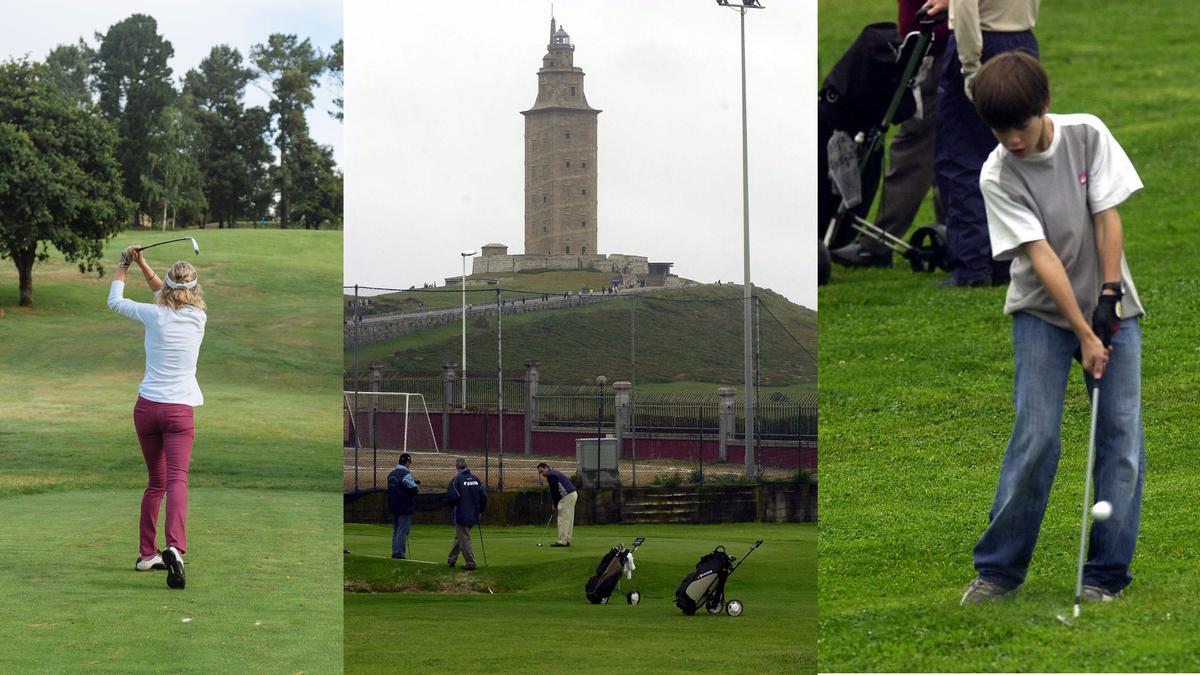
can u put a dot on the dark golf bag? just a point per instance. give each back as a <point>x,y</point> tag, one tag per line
<point>600,586</point>
<point>706,585</point>
<point>607,579</point>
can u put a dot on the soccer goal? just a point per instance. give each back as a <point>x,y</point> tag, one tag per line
<point>388,420</point>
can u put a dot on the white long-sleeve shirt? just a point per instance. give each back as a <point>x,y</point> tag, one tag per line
<point>970,18</point>
<point>173,340</point>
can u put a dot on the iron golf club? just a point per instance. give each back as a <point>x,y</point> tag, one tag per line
<point>482,545</point>
<point>1087,496</point>
<point>546,529</point>
<point>195,246</point>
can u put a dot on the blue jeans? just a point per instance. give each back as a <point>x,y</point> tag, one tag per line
<point>400,527</point>
<point>1042,355</point>
<point>963,144</point>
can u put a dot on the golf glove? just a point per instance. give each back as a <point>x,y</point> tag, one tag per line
<point>126,257</point>
<point>1106,318</point>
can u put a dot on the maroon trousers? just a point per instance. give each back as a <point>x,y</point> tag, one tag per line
<point>165,431</point>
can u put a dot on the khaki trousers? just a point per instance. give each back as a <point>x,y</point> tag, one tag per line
<point>462,542</point>
<point>566,518</point>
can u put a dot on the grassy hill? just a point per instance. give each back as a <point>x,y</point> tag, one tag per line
<point>264,527</point>
<point>688,337</point>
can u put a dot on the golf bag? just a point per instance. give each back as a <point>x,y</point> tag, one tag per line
<point>705,587</point>
<point>873,86</point>
<point>706,583</point>
<point>619,560</point>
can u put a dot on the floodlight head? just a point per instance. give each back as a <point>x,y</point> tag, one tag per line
<point>467,254</point>
<point>601,380</point>
<point>744,4</point>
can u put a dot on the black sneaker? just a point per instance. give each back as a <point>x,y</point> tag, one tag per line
<point>556,544</point>
<point>951,282</point>
<point>468,568</point>
<point>1099,594</point>
<point>855,255</point>
<point>981,590</point>
<point>174,561</point>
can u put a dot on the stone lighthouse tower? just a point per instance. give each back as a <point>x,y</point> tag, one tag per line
<point>560,157</point>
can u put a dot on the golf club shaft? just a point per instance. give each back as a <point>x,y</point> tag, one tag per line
<point>160,243</point>
<point>482,544</point>
<point>1087,495</point>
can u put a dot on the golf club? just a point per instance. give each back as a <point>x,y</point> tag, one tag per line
<point>546,529</point>
<point>1087,496</point>
<point>195,246</point>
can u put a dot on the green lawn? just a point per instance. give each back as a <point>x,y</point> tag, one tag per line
<point>538,619</point>
<point>263,477</point>
<point>916,409</point>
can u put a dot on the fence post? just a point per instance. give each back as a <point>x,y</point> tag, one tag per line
<point>621,414</point>
<point>376,378</point>
<point>726,421</point>
<point>447,398</point>
<point>531,394</point>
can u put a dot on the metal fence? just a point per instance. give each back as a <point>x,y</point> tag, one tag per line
<point>481,391</point>
<point>575,406</point>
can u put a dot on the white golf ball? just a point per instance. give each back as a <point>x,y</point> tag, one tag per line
<point>1101,511</point>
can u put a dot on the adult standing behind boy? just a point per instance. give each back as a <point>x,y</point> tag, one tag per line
<point>982,29</point>
<point>1052,188</point>
<point>468,496</point>
<point>564,495</point>
<point>401,493</point>
<point>910,155</point>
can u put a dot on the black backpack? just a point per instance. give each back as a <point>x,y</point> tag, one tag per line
<point>861,83</point>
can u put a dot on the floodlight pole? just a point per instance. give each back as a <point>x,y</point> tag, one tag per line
<point>463,392</point>
<point>747,292</point>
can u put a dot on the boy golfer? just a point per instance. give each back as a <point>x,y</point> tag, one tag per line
<point>1051,188</point>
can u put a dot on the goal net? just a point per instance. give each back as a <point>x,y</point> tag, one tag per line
<point>378,427</point>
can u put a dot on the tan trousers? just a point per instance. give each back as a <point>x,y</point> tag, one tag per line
<point>566,518</point>
<point>462,542</point>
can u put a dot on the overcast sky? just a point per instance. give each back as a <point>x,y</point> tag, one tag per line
<point>434,138</point>
<point>33,28</point>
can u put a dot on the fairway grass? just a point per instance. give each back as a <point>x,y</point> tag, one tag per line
<point>916,402</point>
<point>264,517</point>
<point>261,591</point>
<point>539,620</point>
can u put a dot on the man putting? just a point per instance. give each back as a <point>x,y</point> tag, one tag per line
<point>401,493</point>
<point>1051,189</point>
<point>468,496</point>
<point>564,495</point>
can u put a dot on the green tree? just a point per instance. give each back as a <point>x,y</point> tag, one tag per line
<point>71,65</point>
<point>336,70</point>
<point>318,186</point>
<point>134,82</point>
<point>60,183</point>
<point>234,157</point>
<point>295,68</point>
<point>173,179</point>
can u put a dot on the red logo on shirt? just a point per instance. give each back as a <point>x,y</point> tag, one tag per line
<point>1083,178</point>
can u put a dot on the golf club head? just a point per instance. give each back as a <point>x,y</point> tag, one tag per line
<point>195,246</point>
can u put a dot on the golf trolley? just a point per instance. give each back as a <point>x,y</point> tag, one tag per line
<point>607,579</point>
<point>706,586</point>
<point>853,152</point>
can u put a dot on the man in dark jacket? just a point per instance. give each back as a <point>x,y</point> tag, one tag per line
<point>468,495</point>
<point>401,493</point>
<point>563,493</point>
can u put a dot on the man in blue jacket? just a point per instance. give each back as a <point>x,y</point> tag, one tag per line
<point>564,495</point>
<point>468,495</point>
<point>401,493</point>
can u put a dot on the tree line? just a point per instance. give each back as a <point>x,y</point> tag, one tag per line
<point>97,138</point>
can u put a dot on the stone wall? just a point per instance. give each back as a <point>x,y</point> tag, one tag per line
<point>511,264</point>
<point>768,502</point>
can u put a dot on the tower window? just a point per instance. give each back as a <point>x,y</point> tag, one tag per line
<point>568,135</point>
<point>584,251</point>
<point>572,91</point>
<point>543,230</point>
<point>583,224</point>
<point>568,249</point>
<point>543,199</point>
<point>585,165</point>
<point>583,191</point>
<point>568,163</point>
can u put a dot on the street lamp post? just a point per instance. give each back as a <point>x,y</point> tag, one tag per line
<point>747,292</point>
<point>463,390</point>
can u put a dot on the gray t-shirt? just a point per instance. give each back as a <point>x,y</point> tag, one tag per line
<point>1052,195</point>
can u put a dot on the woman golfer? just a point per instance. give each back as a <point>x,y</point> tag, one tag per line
<point>174,325</point>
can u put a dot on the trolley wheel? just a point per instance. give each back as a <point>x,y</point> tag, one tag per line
<point>734,608</point>
<point>714,606</point>
<point>824,263</point>
<point>930,251</point>
<point>633,598</point>
<point>604,601</point>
